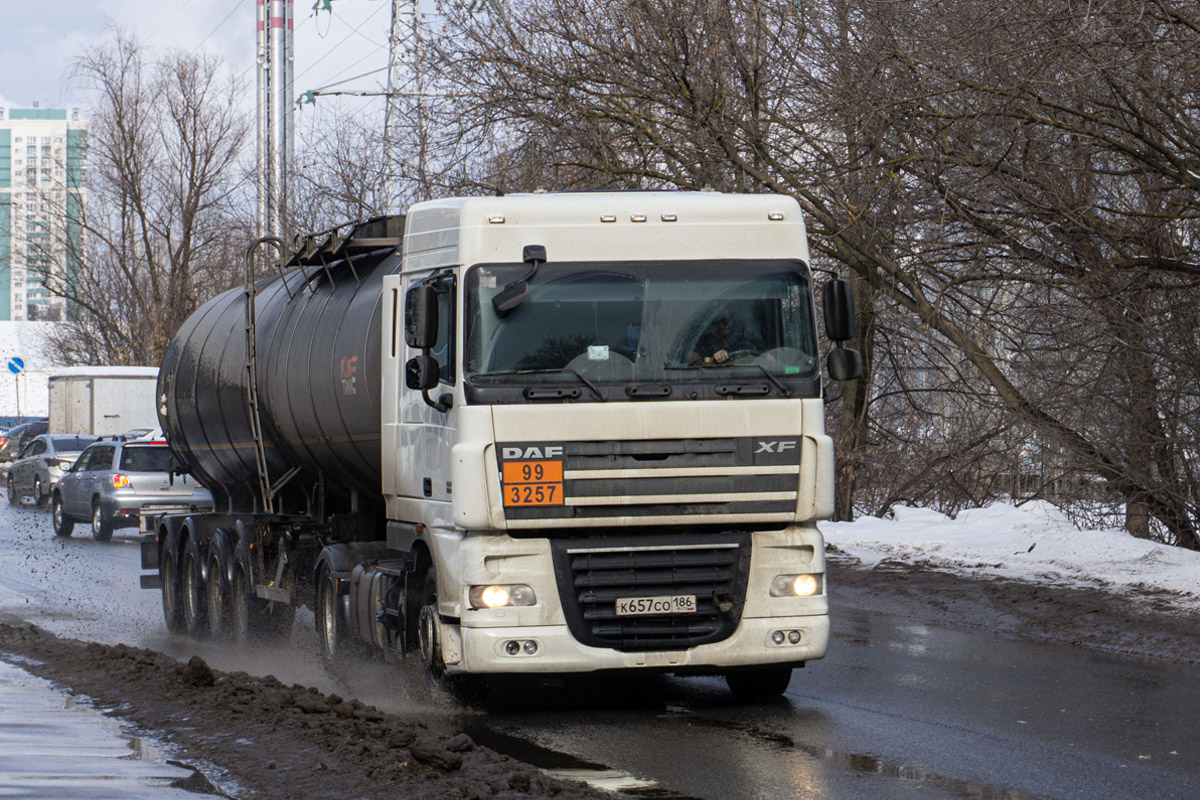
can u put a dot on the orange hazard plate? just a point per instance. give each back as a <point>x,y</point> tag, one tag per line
<point>533,483</point>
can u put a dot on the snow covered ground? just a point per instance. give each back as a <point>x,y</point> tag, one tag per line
<point>1033,542</point>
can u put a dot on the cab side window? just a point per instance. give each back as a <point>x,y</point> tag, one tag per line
<point>443,350</point>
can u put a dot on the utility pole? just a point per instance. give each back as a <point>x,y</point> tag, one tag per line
<point>275,135</point>
<point>406,77</point>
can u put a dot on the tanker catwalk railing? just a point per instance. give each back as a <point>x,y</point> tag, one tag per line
<point>267,490</point>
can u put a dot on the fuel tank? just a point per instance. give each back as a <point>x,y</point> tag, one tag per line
<point>318,363</point>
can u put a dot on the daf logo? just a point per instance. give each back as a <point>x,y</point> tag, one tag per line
<point>775,447</point>
<point>530,453</point>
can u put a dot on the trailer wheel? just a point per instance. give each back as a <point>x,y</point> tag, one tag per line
<point>760,683</point>
<point>218,589</point>
<point>168,571</point>
<point>63,525</point>
<point>254,620</point>
<point>195,602</point>
<point>240,604</point>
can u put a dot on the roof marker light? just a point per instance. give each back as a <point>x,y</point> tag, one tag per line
<point>669,217</point>
<point>637,218</point>
<point>608,217</point>
<point>775,216</point>
<point>496,220</point>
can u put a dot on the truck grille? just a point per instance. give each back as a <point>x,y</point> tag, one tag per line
<point>652,482</point>
<point>593,573</point>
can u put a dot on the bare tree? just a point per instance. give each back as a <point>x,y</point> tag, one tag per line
<point>159,233</point>
<point>1013,189</point>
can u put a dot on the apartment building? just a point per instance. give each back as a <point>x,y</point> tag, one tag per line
<point>42,196</point>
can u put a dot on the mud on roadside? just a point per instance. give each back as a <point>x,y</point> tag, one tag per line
<point>1152,624</point>
<point>277,741</point>
<point>273,740</point>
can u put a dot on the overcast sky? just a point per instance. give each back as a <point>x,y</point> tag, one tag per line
<point>42,36</point>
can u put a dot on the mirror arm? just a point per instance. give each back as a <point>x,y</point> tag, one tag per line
<point>442,404</point>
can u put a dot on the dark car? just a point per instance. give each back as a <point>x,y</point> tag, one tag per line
<point>16,438</point>
<point>114,479</point>
<point>41,463</point>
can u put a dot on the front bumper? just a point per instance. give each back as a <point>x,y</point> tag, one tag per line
<point>482,650</point>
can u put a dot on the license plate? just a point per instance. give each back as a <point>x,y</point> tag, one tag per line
<point>663,604</point>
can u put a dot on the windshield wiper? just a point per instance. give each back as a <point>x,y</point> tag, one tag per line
<point>782,389</point>
<point>582,379</point>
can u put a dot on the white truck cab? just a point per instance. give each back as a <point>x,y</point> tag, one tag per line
<point>603,417</point>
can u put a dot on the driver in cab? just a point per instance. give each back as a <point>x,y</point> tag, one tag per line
<point>716,342</point>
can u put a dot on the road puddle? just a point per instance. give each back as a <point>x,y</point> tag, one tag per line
<point>563,765</point>
<point>54,745</point>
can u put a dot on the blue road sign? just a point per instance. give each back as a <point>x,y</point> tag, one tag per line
<point>16,365</point>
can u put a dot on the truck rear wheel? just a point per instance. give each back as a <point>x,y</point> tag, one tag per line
<point>168,571</point>
<point>332,631</point>
<point>759,683</point>
<point>195,602</point>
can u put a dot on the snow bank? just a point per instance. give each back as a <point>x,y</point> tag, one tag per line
<point>1032,542</point>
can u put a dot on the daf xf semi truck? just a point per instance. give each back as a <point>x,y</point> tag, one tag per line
<point>540,433</point>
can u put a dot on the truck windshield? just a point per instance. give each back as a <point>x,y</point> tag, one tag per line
<point>630,323</point>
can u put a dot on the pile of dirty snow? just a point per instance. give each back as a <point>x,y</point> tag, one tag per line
<point>1032,542</point>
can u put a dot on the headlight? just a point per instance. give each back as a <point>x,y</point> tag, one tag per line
<point>805,585</point>
<point>502,595</point>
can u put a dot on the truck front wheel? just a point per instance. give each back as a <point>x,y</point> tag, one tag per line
<point>427,626</point>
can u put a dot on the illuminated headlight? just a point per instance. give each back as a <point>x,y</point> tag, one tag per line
<point>805,585</point>
<point>500,596</point>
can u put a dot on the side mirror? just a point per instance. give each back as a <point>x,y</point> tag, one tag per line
<point>421,372</point>
<point>844,363</point>
<point>837,301</point>
<point>511,296</point>
<point>421,316</point>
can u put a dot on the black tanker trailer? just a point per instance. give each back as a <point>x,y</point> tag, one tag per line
<point>293,467</point>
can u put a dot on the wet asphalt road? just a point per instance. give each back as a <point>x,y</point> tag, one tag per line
<point>896,710</point>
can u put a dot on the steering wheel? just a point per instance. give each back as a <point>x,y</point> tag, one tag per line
<point>734,355</point>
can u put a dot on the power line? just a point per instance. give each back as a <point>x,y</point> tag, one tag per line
<point>166,21</point>
<point>237,4</point>
<point>343,41</point>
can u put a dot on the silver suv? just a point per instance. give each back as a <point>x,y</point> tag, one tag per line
<point>41,462</point>
<point>114,479</point>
